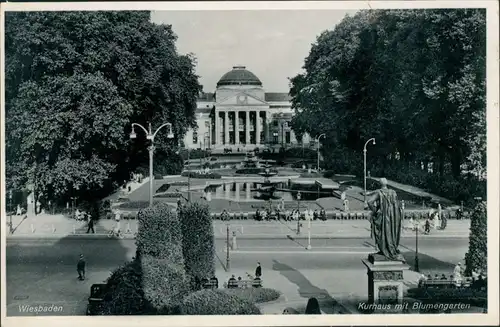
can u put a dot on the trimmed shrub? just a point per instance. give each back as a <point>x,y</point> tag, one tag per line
<point>477,256</point>
<point>158,176</point>
<point>164,282</point>
<point>216,302</point>
<point>254,295</point>
<point>159,233</point>
<point>197,240</point>
<point>124,294</point>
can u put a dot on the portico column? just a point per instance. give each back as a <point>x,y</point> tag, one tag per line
<point>236,128</point>
<point>217,128</point>
<point>227,190</point>
<point>248,190</point>
<point>237,190</point>
<point>226,127</point>
<point>257,127</point>
<point>247,128</point>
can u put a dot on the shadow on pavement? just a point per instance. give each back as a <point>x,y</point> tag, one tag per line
<point>306,288</point>
<point>42,272</point>
<point>428,264</point>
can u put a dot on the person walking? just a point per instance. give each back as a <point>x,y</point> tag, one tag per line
<point>80,268</point>
<point>90,225</point>
<point>117,220</point>
<point>258,270</point>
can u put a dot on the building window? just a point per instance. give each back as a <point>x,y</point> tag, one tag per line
<point>287,137</point>
<point>195,137</point>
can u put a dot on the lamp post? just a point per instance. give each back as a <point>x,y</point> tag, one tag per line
<point>227,248</point>
<point>364,162</point>
<point>317,141</point>
<point>308,229</point>
<point>10,200</point>
<point>151,136</point>
<point>416,244</point>
<point>298,213</point>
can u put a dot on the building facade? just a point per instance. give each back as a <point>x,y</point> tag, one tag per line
<point>241,114</point>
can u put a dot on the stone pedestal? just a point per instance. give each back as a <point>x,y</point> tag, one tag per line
<point>385,283</point>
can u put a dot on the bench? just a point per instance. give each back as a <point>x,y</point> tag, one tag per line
<point>211,284</point>
<point>244,283</point>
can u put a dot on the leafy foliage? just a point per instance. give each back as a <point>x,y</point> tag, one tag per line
<point>75,81</point>
<point>198,246</point>
<point>216,302</point>
<point>413,79</point>
<point>477,256</point>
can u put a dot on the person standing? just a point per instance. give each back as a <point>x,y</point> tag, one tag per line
<point>80,268</point>
<point>258,270</point>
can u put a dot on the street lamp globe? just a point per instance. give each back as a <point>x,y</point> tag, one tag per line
<point>298,196</point>
<point>132,134</point>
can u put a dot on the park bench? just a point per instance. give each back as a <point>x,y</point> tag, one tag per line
<point>244,283</point>
<point>211,284</point>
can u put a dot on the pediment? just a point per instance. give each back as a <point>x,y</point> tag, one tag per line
<point>241,99</point>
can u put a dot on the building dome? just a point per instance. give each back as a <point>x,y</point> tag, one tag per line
<point>239,76</point>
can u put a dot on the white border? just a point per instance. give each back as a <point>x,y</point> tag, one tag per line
<point>491,318</point>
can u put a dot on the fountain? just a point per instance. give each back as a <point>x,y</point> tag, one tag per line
<point>267,187</point>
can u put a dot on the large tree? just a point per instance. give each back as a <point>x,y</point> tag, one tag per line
<point>75,81</point>
<point>413,79</point>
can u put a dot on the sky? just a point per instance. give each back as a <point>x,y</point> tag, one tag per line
<point>270,43</point>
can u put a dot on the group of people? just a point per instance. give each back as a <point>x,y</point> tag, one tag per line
<point>293,215</point>
<point>457,278</point>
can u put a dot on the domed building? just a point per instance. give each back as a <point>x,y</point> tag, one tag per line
<point>242,115</point>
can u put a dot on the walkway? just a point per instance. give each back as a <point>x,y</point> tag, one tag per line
<point>58,226</point>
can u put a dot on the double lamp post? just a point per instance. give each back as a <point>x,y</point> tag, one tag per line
<point>317,142</point>
<point>150,135</point>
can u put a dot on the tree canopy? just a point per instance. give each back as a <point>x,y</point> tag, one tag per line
<point>75,81</point>
<point>413,79</point>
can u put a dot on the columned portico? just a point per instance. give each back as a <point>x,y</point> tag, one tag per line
<point>255,127</point>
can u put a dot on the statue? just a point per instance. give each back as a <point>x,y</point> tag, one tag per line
<point>386,222</point>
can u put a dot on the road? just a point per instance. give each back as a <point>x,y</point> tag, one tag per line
<point>43,272</point>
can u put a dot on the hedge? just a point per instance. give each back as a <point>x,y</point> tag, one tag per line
<point>197,240</point>
<point>193,174</point>
<point>164,283</point>
<point>124,294</point>
<point>159,233</point>
<point>477,256</point>
<point>254,295</point>
<point>216,302</point>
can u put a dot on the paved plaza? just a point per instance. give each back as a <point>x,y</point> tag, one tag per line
<point>43,270</point>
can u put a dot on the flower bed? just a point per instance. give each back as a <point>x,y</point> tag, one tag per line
<point>193,174</point>
<point>255,295</point>
<point>169,195</point>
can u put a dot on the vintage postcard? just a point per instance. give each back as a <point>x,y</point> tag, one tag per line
<point>250,163</point>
